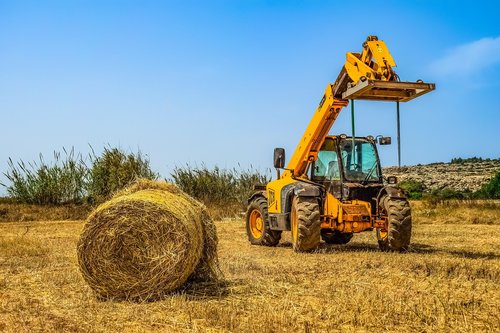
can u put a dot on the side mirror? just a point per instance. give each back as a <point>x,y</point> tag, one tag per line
<point>384,140</point>
<point>279,158</point>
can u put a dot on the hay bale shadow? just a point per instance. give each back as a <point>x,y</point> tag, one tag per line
<point>206,290</point>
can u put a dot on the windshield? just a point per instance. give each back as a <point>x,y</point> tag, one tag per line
<point>326,166</point>
<point>360,164</point>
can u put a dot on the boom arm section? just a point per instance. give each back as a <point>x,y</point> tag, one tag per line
<point>321,122</point>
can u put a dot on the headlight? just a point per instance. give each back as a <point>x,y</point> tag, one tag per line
<point>392,180</point>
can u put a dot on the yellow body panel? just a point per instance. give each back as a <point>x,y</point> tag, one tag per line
<point>332,209</point>
<point>374,63</point>
<point>356,68</point>
<point>380,53</point>
<point>273,190</point>
<point>346,217</point>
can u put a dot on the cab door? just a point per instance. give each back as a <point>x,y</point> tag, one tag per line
<point>326,168</point>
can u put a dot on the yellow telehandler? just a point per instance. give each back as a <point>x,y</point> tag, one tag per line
<point>333,186</point>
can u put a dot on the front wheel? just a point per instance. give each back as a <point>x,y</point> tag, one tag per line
<point>397,237</point>
<point>306,223</point>
<point>258,230</point>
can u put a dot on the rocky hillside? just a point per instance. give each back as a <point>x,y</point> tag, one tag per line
<point>464,175</point>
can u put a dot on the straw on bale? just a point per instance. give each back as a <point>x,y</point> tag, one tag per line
<point>147,241</point>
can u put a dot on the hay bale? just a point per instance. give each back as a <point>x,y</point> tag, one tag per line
<point>147,241</point>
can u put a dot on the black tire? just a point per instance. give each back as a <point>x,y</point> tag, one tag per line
<point>336,237</point>
<point>268,237</point>
<point>398,235</point>
<point>306,214</point>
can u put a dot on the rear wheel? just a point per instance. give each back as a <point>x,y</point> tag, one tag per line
<point>336,237</point>
<point>258,230</point>
<point>306,223</point>
<point>397,237</point>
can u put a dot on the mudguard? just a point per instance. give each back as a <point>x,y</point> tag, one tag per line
<point>257,194</point>
<point>306,190</point>
<point>392,192</point>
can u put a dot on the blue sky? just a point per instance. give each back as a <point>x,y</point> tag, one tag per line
<point>224,82</point>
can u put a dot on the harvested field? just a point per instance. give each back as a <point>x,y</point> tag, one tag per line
<point>448,282</point>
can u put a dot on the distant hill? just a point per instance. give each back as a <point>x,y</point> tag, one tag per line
<point>459,175</point>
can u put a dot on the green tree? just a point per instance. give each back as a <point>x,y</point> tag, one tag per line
<point>490,190</point>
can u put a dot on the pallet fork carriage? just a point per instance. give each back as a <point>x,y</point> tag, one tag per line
<point>387,90</point>
<point>333,186</point>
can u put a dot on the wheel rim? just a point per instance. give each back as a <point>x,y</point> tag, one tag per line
<point>256,224</point>
<point>294,226</point>
<point>382,235</point>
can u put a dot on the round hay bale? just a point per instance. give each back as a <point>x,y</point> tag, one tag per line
<point>147,241</point>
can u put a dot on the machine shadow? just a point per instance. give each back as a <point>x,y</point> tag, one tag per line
<point>331,248</point>
<point>416,248</point>
<point>427,249</point>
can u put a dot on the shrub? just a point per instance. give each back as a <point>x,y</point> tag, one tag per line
<point>247,179</point>
<point>414,188</point>
<point>61,182</point>
<point>70,180</point>
<point>490,190</point>
<point>114,170</point>
<point>218,186</point>
<point>436,196</point>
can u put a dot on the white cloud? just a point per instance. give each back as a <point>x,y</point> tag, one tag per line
<point>469,58</point>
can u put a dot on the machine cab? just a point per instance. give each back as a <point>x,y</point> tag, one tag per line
<point>340,163</point>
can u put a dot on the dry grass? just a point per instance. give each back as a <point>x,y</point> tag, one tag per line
<point>448,282</point>
<point>458,212</point>
<point>15,212</point>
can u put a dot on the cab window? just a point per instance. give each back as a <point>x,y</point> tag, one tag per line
<point>326,166</point>
<point>360,163</point>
